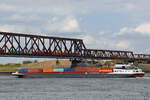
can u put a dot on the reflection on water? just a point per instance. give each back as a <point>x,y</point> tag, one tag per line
<point>74,89</point>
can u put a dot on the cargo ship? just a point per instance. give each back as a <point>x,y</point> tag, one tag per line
<point>119,71</point>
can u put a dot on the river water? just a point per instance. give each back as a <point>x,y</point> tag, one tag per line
<point>74,88</point>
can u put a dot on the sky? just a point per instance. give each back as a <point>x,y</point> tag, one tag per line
<point>102,24</point>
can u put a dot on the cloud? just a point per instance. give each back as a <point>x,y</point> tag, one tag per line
<point>5,7</point>
<point>23,18</point>
<point>21,29</point>
<point>11,28</point>
<point>124,30</point>
<point>62,18</point>
<point>89,40</point>
<point>67,24</point>
<point>142,29</point>
<point>65,7</point>
<point>100,41</point>
<point>71,25</point>
<point>123,44</point>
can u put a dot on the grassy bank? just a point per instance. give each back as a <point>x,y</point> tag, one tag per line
<point>8,70</point>
<point>9,67</point>
<point>147,75</point>
<point>145,67</point>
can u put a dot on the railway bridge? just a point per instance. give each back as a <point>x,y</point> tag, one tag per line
<point>33,46</point>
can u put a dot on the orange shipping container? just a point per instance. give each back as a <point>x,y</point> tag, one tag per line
<point>93,69</point>
<point>34,70</point>
<point>47,70</point>
<point>106,70</point>
<point>81,69</point>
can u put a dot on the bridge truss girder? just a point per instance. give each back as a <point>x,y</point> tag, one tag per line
<point>25,45</point>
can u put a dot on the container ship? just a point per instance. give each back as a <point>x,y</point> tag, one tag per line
<point>119,71</point>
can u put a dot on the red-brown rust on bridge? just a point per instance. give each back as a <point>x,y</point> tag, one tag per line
<point>26,45</point>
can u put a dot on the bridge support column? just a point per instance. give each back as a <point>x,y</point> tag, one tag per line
<point>75,62</point>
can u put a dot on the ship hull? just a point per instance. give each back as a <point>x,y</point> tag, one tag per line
<point>76,76</point>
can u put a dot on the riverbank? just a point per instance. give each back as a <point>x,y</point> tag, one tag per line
<point>147,75</point>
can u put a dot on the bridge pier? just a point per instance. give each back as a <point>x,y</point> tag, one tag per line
<point>75,62</point>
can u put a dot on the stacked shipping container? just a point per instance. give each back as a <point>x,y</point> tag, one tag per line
<point>106,70</point>
<point>81,69</point>
<point>75,70</point>
<point>31,70</point>
<point>69,70</point>
<point>23,70</point>
<point>58,70</point>
<point>47,70</point>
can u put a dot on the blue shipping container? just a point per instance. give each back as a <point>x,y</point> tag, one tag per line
<point>23,70</point>
<point>58,70</point>
<point>69,70</point>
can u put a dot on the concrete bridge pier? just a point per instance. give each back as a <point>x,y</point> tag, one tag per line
<point>75,62</point>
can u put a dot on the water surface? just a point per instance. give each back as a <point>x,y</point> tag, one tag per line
<point>74,88</point>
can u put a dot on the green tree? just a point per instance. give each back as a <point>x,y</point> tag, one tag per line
<point>57,62</point>
<point>99,65</point>
<point>119,61</point>
<point>136,63</point>
<point>108,63</point>
<point>35,61</point>
<point>26,62</point>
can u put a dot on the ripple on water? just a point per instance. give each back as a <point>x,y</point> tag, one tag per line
<point>74,89</point>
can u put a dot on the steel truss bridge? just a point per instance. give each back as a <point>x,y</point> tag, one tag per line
<point>25,45</point>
